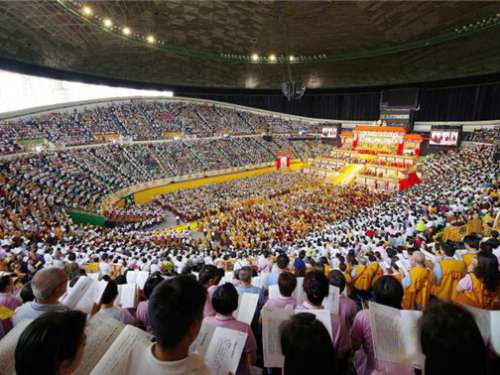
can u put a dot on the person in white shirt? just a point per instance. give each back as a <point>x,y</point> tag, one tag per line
<point>176,314</point>
<point>104,266</point>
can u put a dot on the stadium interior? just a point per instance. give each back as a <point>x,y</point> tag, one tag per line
<point>249,187</point>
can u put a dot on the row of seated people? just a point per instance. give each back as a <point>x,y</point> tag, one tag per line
<point>387,238</point>
<point>34,191</point>
<point>490,135</point>
<point>139,120</point>
<point>36,188</point>
<point>349,343</point>
<point>207,200</point>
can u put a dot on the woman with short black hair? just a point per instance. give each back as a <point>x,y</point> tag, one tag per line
<point>52,344</point>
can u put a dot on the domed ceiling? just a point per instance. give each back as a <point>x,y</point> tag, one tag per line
<point>256,44</point>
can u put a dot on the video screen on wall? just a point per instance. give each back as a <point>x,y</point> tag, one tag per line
<point>330,131</point>
<point>441,137</point>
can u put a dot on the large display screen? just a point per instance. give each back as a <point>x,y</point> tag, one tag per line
<point>329,132</point>
<point>444,137</point>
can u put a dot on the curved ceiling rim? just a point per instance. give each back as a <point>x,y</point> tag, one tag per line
<point>319,58</point>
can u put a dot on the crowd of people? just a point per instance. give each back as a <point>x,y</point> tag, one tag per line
<point>193,204</point>
<point>139,120</point>
<point>433,247</point>
<point>490,135</point>
<point>37,189</point>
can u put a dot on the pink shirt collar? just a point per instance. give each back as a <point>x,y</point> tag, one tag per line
<point>308,306</point>
<point>224,317</point>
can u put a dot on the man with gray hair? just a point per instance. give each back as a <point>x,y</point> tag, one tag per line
<point>245,276</point>
<point>48,285</point>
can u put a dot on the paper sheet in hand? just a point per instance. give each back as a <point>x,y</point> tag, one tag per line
<point>101,332</point>
<point>257,281</point>
<point>299,291</point>
<point>247,304</point>
<point>137,277</point>
<point>126,295</point>
<point>488,322</point>
<point>116,359</point>
<point>272,319</point>
<point>395,335</point>
<point>274,291</point>
<point>323,315</point>
<point>224,351</point>
<point>8,348</point>
<point>331,302</point>
<point>84,294</point>
<point>200,344</point>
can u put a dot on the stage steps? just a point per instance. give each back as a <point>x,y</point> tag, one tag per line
<point>347,174</point>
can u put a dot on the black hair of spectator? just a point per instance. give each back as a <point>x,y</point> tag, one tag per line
<point>282,261</point>
<point>388,291</point>
<point>316,287</point>
<point>48,341</point>
<point>304,337</point>
<point>287,282</point>
<point>337,278</point>
<point>110,292</point>
<point>174,306</point>
<point>451,341</point>
<point>152,281</point>
<point>487,270</point>
<point>207,273</point>
<point>26,293</point>
<point>5,282</point>
<point>225,299</point>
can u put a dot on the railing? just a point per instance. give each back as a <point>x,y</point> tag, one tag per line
<point>116,196</point>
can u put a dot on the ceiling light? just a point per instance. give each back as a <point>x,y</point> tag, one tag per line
<point>255,57</point>
<point>150,39</point>
<point>87,10</point>
<point>126,30</point>
<point>272,58</point>
<point>291,58</point>
<point>107,22</point>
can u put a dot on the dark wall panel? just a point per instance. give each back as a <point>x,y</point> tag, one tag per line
<point>363,106</point>
<point>469,103</point>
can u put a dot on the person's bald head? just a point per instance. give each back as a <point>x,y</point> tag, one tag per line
<point>419,258</point>
<point>49,284</point>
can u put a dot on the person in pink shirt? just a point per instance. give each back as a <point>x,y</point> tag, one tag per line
<point>264,264</point>
<point>387,291</point>
<point>347,307</point>
<point>141,313</point>
<point>8,300</point>
<point>225,302</point>
<point>209,277</point>
<point>316,290</point>
<point>287,282</point>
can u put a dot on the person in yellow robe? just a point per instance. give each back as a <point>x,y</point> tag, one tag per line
<point>471,244</point>
<point>447,273</point>
<point>362,277</point>
<point>474,225</point>
<point>417,284</point>
<point>481,287</point>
